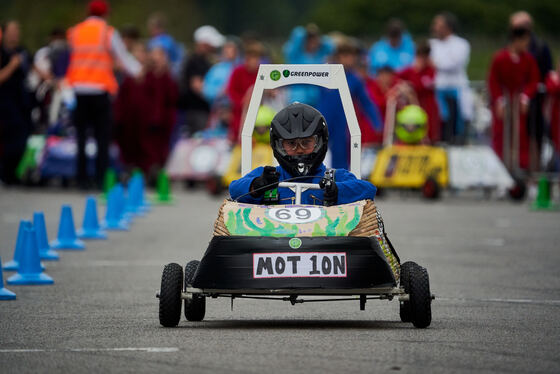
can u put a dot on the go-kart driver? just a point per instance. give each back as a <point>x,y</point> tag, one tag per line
<point>299,140</point>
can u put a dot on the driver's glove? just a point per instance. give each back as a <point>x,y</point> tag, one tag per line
<point>330,191</point>
<point>269,177</point>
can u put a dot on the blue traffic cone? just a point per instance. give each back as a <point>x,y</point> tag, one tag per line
<point>67,238</point>
<point>90,227</point>
<point>132,207</point>
<point>114,217</point>
<point>29,271</point>
<point>14,264</point>
<point>140,199</point>
<point>45,251</point>
<point>5,294</point>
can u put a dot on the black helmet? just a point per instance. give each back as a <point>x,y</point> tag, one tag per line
<point>299,121</point>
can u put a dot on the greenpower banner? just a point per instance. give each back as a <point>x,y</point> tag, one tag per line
<point>291,220</point>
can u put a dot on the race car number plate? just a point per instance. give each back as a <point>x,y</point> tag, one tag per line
<point>297,265</point>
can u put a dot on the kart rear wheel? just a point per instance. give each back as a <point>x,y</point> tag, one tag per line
<point>420,297</point>
<point>406,269</point>
<point>170,295</point>
<point>431,189</point>
<point>195,308</point>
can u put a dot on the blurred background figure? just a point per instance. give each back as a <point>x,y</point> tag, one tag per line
<point>15,101</point>
<point>553,110</point>
<point>450,55</point>
<point>207,39</point>
<point>395,50</point>
<point>306,45</point>
<point>216,79</point>
<point>240,85</point>
<point>331,106</point>
<point>421,76</point>
<point>49,68</point>
<point>512,82</point>
<point>159,37</point>
<point>94,47</point>
<point>130,36</point>
<point>131,109</point>
<point>145,112</point>
<point>541,52</point>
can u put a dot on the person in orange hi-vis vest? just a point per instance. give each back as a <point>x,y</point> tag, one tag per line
<point>94,47</point>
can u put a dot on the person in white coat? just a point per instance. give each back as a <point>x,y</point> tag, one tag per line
<point>450,55</point>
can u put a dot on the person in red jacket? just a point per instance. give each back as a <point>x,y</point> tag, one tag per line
<point>421,76</point>
<point>145,113</point>
<point>241,81</point>
<point>379,89</point>
<point>512,79</point>
<point>553,88</point>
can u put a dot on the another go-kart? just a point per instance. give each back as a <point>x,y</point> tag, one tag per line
<point>297,252</point>
<point>411,165</point>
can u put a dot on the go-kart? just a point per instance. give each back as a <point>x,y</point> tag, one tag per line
<point>297,252</point>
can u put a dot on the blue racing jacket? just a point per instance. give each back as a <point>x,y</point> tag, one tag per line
<point>350,188</point>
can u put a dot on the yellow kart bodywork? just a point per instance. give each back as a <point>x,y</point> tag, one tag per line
<point>409,166</point>
<point>261,156</point>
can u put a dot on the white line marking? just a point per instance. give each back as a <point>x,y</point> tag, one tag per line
<point>123,349</point>
<point>511,301</point>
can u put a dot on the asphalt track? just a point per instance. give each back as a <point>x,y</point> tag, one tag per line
<point>494,267</point>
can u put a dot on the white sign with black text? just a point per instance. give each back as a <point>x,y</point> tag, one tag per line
<point>294,264</point>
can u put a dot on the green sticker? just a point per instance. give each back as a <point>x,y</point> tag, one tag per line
<point>274,75</point>
<point>295,243</point>
<point>286,73</point>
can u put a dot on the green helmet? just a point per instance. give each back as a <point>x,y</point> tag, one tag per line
<point>411,124</point>
<point>264,118</point>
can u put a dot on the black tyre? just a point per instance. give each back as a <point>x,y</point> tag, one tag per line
<point>420,298</point>
<point>405,311</point>
<point>170,295</point>
<point>195,308</point>
<point>189,184</point>
<point>518,191</point>
<point>431,189</point>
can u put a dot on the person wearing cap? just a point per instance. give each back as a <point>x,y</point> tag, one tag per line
<point>396,50</point>
<point>197,109</point>
<point>307,46</point>
<point>95,46</point>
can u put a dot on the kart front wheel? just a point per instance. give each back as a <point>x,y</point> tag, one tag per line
<point>170,295</point>
<point>195,307</point>
<point>420,297</point>
<point>406,270</point>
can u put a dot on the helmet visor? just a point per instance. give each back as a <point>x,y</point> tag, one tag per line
<point>307,144</point>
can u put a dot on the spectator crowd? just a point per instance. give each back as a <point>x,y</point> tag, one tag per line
<point>144,93</point>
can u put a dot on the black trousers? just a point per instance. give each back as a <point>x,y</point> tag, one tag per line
<point>93,112</point>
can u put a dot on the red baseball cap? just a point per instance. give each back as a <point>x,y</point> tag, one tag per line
<point>98,8</point>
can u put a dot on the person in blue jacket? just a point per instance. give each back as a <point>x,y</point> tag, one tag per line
<point>299,138</point>
<point>396,50</point>
<point>306,46</point>
<point>331,106</point>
